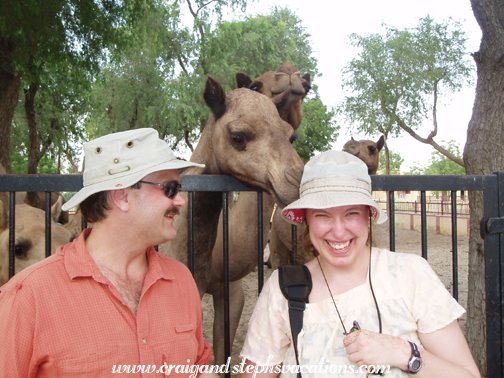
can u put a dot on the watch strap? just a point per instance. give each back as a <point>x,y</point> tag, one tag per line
<point>415,357</point>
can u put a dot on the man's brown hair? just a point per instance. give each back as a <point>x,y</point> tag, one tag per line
<point>94,207</point>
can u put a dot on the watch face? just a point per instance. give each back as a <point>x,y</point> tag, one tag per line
<point>415,363</point>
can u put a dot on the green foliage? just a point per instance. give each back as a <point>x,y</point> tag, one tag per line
<point>317,131</point>
<point>395,162</point>
<point>108,65</point>
<point>398,76</point>
<point>440,165</point>
<point>56,46</point>
<point>150,85</point>
<point>259,44</point>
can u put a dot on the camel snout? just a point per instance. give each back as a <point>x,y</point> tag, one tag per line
<point>293,177</point>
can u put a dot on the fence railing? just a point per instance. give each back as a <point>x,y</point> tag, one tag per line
<point>492,229</point>
<point>435,208</point>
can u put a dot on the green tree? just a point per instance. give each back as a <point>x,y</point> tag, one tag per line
<point>35,36</point>
<point>317,131</point>
<point>440,164</point>
<point>399,76</point>
<point>395,162</point>
<point>147,84</point>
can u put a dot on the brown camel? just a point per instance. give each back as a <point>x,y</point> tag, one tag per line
<point>29,236</point>
<point>287,89</point>
<point>245,138</point>
<point>366,150</point>
<point>281,232</point>
<point>35,199</point>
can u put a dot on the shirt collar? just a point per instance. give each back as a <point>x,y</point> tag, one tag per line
<point>79,263</point>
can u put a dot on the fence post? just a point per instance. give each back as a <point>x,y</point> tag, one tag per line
<point>494,243</point>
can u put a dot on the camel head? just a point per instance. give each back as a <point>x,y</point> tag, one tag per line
<point>285,87</point>
<point>246,138</point>
<point>29,236</point>
<point>366,150</point>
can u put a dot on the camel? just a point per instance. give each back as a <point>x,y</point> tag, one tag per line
<point>29,236</point>
<point>245,138</point>
<point>281,231</point>
<point>286,89</point>
<point>35,199</point>
<point>366,150</point>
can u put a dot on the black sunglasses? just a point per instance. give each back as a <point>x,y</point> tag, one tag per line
<point>171,189</point>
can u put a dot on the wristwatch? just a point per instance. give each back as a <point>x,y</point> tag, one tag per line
<point>415,361</point>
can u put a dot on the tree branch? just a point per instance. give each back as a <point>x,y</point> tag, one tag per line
<point>186,138</point>
<point>429,141</point>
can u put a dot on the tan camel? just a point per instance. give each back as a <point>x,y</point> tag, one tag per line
<point>366,150</point>
<point>245,138</point>
<point>29,236</point>
<point>35,199</point>
<point>287,89</point>
<point>281,232</point>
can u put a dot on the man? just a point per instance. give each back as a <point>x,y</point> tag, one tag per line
<point>108,300</point>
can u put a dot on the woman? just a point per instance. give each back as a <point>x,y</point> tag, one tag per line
<point>408,320</point>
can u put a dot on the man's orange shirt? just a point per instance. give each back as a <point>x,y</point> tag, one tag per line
<point>63,318</point>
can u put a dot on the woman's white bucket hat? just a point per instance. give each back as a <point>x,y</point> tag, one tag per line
<point>333,179</point>
<point>120,160</point>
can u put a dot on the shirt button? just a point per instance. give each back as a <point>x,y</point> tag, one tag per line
<point>144,340</point>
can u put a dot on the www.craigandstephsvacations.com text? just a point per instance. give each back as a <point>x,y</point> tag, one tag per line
<point>323,367</point>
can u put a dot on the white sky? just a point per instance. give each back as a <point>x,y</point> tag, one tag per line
<point>331,21</point>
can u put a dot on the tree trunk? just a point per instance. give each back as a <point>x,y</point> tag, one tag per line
<point>484,154</point>
<point>31,117</point>
<point>9,95</point>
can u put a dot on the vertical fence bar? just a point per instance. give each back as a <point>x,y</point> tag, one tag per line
<point>500,201</point>
<point>493,282</point>
<point>391,220</point>
<point>423,217</point>
<point>260,246</point>
<point>225,262</point>
<point>48,217</point>
<point>454,243</point>
<point>190,229</point>
<point>12,234</point>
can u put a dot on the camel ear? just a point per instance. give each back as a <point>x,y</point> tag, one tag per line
<point>4,220</point>
<point>380,143</point>
<point>307,82</point>
<point>56,209</point>
<point>242,80</point>
<point>215,97</point>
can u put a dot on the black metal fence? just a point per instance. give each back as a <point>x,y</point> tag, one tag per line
<point>492,230</point>
<point>436,208</point>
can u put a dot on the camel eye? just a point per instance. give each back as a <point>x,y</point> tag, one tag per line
<point>256,86</point>
<point>372,149</point>
<point>21,249</point>
<point>238,139</point>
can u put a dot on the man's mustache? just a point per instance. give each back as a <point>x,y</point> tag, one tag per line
<point>172,211</point>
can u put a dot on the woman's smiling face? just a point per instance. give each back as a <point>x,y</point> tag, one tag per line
<point>339,234</point>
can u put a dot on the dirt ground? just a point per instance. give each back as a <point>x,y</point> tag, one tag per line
<point>439,249</point>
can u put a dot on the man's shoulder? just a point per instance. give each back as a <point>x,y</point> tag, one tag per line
<point>37,275</point>
<point>176,267</point>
